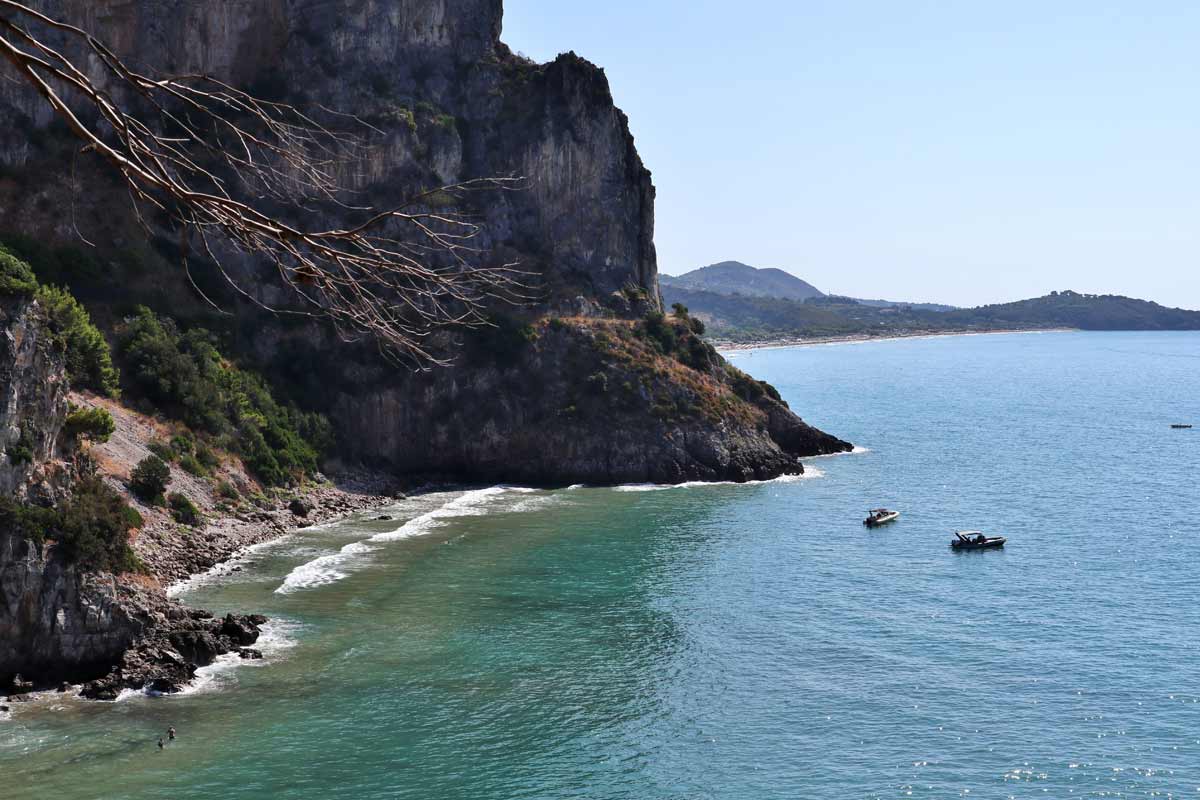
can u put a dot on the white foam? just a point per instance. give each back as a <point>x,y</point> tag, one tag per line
<point>857,451</point>
<point>223,570</point>
<point>323,570</point>
<point>470,504</point>
<point>809,473</point>
<point>333,567</point>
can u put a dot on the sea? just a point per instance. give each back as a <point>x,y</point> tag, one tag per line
<point>730,641</point>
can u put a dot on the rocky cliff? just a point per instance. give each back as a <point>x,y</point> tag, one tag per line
<point>451,102</point>
<point>62,619</point>
<point>33,401</point>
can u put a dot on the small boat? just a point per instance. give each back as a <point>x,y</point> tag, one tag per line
<point>1181,425</point>
<point>975,540</point>
<point>880,516</point>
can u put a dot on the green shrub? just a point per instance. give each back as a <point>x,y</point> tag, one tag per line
<point>16,278</point>
<point>183,510</point>
<point>227,490</point>
<point>207,458</point>
<point>89,361</point>
<point>95,424</point>
<point>192,466</point>
<point>149,479</point>
<point>26,521</point>
<point>658,331</point>
<point>162,450</point>
<point>183,444</point>
<point>94,528</point>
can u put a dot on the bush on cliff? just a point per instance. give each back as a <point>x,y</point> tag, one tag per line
<point>89,361</point>
<point>92,528</point>
<point>27,522</point>
<point>184,375</point>
<point>16,278</point>
<point>94,424</point>
<point>149,479</point>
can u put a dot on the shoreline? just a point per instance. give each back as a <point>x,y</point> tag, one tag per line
<point>727,346</point>
<point>174,561</point>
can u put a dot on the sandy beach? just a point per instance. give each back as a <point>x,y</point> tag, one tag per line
<point>726,346</point>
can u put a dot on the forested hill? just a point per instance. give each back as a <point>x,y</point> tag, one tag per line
<point>743,318</point>
<point>1091,312</point>
<point>733,276</point>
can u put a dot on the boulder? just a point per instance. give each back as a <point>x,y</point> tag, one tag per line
<point>300,507</point>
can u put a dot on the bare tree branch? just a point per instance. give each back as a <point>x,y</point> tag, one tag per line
<point>211,158</point>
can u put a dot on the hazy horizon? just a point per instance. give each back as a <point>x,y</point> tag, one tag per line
<point>916,152</point>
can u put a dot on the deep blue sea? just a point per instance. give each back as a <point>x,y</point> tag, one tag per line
<point>728,641</point>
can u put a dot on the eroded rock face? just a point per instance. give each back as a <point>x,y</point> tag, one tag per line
<point>57,623</point>
<point>452,101</point>
<point>33,398</point>
<point>584,403</point>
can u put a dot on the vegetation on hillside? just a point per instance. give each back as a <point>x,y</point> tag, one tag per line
<point>89,362</point>
<point>745,318</point>
<point>16,278</point>
<point>92,528</point>
<point>182,374</point>
<point>93,424</point>
<point>149,480</point>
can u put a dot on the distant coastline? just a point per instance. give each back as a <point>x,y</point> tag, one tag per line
<point>726,346</point>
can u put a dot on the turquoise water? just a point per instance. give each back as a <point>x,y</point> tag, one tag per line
<point>733,641</point>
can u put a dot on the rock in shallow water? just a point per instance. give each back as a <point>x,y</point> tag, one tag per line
<point>166,659</point>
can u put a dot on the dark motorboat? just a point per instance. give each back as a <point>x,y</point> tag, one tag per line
<point>880,516</point>
<point>975,540</point>
<point>1181,425</point>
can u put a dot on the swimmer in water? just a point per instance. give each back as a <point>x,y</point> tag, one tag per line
<point>171,734</point>
<point>160,743</point>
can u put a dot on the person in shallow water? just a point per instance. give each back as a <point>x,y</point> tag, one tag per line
<point>171,733</point>
<point>160,743</point>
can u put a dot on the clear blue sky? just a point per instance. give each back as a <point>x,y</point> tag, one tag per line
<point>962,152</point>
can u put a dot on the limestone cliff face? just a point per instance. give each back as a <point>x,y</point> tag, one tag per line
<point>57,623</point>
<point>586,401</point>
<point>54,620</point>
<point>451,102</point>
<point>33,399</point>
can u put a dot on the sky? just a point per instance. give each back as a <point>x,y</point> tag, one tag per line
<point>957,152</point>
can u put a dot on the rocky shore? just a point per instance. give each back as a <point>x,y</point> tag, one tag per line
<point>172,557</point>
<point>100,635</point>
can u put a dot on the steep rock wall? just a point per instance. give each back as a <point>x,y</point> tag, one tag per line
<point>451,102</point>
<point>57,623</point>
<point>33,399</point>
<point>54,620</point>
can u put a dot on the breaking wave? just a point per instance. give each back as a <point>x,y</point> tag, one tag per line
<point>809,473</point>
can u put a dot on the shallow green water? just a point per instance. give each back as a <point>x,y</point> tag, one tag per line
<point>732,641</point>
